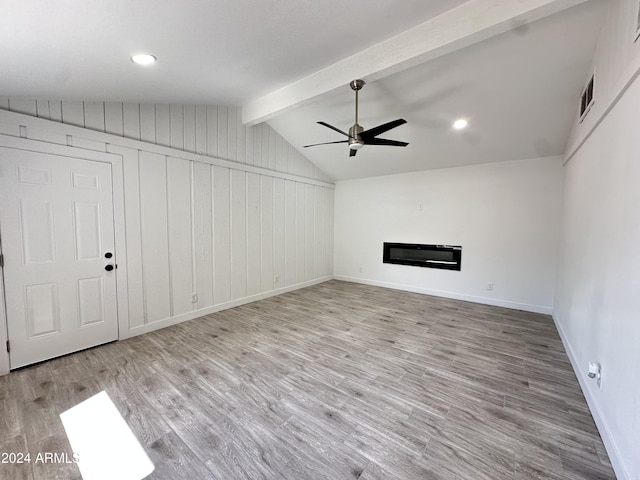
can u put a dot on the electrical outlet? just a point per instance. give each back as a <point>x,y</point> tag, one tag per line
<point>276,279</point>
<point>194,298</point>
<point>490,286</point>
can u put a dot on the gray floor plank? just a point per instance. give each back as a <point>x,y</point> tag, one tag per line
<point>335,381</point>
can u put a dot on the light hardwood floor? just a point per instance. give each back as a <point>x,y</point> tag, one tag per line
<point>335,381</point>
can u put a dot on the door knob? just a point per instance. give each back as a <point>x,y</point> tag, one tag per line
<point>108,268</point>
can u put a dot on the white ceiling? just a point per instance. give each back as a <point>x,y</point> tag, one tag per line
<point>519,92</point>
<point>518,89</point>
<point>221,52</point>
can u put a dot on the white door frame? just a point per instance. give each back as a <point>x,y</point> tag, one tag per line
<point>118,219</point>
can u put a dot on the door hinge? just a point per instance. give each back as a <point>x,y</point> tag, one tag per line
<point>8,347</point>
<point>1,260</point>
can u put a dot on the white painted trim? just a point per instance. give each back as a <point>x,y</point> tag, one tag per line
<point>122,275</point>
<point>453,295</point>
<point>460,27</point>
<point>95,137</point>
<point>609,441</point>
<point>4,355</point>
<point>117,176</point>
<point>150,327</point>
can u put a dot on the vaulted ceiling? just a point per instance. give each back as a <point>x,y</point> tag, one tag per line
<point>513,69</point>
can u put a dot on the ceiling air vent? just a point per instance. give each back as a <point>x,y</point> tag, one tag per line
<point>586,99</point>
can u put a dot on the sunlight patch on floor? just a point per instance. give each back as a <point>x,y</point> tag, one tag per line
<point>103,443</point>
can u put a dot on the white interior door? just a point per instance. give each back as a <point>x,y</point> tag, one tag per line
<point>56,225</point>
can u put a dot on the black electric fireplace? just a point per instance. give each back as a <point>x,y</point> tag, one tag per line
<point>447,257</point>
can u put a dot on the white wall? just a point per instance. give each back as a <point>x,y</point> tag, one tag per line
<point>506,217</point>
<point>597,298</point>
<point>229,231</point>
<point>215,131</point>
<point>616,63</point>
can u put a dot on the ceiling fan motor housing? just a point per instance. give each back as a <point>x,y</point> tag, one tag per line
<point>355,140</point>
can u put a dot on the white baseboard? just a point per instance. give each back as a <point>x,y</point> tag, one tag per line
<point>456,296</point>
<point>609,442</point>
<point>150,327</point>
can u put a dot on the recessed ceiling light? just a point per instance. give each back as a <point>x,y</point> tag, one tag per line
<point>143,59</point>
<point>460,124</point>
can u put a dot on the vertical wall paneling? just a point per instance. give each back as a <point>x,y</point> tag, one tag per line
<point>249,145</point>
<point>266,233</point>
<point>94,116</point>
<point>222,235</point>
<point>131,117</point>
<point>257,145</point>
<point>238,234</point>
<point>73,113</point>
<point>285,157</point>
<point>163,125</point>
<point>232,139</point>
<point>201,130</point>
<point>278,232</point>
<point>42,109</point>
<point>223,139</point>
<point>295,164</point>
<point>134,241</point>
<point>290,214</point>
<point>179,228</point>
<point>23,105</point>
<point>212,131</point>
<point>55,110</point>
<point>202,227</point>
<point>155,248</point>
<point>176,126</point>
<point>300,231</point>
<point>189,112</point>
<point>318,231</point>
<point>272,149</point>
<point>148,123</point>
<point>241,138</point>
<point>279,154</point>
<point>113,120</point>
<point>309,232</point>
<point>264,148</point>
<point>327,238</point>
<point>254,263</point>
<point>331,235</point>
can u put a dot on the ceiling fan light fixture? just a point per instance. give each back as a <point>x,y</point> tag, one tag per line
<point>144,59</point>
<point>460,124</point>
<point>356,145</point>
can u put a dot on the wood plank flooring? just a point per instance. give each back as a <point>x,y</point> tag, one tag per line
<point>335,381</point>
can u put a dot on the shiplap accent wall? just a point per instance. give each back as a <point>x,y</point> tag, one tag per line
<point>225,231</point>
<point>220,233</point>
<point>215,131</point>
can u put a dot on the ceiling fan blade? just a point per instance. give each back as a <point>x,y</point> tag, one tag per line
<point>384,141</point>
<point>352,152</point>
<point>385,127</point>
<point>334,128</point>
<point>325,143</point>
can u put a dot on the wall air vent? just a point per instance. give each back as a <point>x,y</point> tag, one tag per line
<point>586,99</point>
<point>447,257</point>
